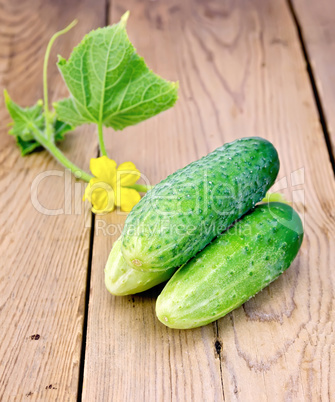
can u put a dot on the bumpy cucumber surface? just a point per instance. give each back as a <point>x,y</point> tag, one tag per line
<point>234,267</point>
<point>184,212</point>
<point>122,280</point>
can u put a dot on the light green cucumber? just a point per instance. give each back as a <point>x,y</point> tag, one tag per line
<point>234,267</point>
<point>122,280</point>
<point>187,210</point>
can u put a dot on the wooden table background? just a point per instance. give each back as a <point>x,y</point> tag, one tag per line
<point>245,68</point>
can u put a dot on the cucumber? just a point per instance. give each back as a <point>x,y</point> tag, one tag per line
<point>184,212</point>
<point>234,267</point>
<point>122,280</point>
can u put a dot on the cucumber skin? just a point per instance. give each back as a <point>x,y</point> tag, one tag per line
<point>233,268</point>
<point>122,280</point>
<point>243,170</point>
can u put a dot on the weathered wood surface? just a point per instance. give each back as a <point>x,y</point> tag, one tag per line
<point>241,72</point>
<point>317,22</point>
<point>43,258</point>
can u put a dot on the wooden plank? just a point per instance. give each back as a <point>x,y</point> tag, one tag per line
<point>43,258</point>
<point>241,73</point>
<point>317,22</point>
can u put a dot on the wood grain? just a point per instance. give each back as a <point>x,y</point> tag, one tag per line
<point>43,258</point>
<point>317,22</point>
<point>241,73</point>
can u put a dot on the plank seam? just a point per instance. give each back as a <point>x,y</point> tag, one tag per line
<point>322,115</point>
<point>87,299</point>
<point>108,4</point>
<point>218,348</point>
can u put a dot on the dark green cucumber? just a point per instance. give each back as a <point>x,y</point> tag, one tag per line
<point>234,267</point>
<point>184,212</point>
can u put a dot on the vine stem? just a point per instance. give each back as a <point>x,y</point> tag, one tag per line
<point>47,140</point>
<point>48,116</point>
<point>58,154</point>
<point>101,139</point>
<point>142,188</point>
<point>63,160</point>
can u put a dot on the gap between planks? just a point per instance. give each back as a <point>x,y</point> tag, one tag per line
<point>311,75</point>
<point>87,301</point>
<point>89,267</point>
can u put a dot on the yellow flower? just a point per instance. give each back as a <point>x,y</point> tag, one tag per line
<point>110,186</point>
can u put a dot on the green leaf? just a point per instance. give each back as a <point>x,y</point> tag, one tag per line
<point>110,84</point>
<point>26,120</point>
<point>61,129</point>
<point>27,147</point>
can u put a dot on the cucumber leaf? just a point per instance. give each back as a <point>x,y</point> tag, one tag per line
<point>109,83</point>
<point>29,119</point>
